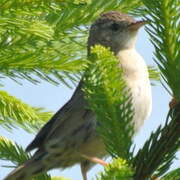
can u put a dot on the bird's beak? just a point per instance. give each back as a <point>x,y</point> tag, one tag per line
<point>136,25</point>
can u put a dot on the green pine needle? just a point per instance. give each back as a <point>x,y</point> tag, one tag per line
<point>59,178</point>
<point>45,40</point>
<point>158,152</point>
<point>10,151</point>
<point>163,17</point>
<point>15,113</point>
<point>109,98</point>
<point>117,170</point>
<point>154,74</point>
<point>172,175</point>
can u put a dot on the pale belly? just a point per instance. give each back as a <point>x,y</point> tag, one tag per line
<point>142,101</point>
<point>137,78</point>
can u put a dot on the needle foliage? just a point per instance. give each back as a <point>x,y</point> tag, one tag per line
<point>110,99</point>
<point>13,113</point>
<point>12,152</point>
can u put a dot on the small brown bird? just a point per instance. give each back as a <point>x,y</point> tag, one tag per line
<point>71,133</point>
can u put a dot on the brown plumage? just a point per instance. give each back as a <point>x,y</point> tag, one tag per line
<point>71,133</point>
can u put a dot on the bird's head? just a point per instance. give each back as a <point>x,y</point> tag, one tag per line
<point>115,30</point>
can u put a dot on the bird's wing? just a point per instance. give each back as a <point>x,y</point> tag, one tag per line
<point>76,104</point>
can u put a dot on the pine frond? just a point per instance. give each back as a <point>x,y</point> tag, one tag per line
<point>110,99</point>
<point>158,152</point>
<point>59,178</point>
<point>45,40</point>
<point>172,175</point>
<point>163,17</point>
<point>117,170</point>
<point>15,113</point>
<point>154,74</point>
<point>10,151</point>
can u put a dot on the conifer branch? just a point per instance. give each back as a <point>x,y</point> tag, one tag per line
<point>156,156</point>
<point>110,99</point>
<point>154,74</point>
<point>172,175</point>
<point>10,151</point>
<point>117,170</point>
<point>13,113</point>
<point>46,40</point>
<point>163,17</point>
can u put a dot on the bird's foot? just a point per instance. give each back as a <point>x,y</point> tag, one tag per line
<point>173,103</point>
<point>95,160</point>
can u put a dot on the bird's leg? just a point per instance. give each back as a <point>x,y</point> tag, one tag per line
<point>84,169</point>
<point>95,160</point>
<point>173,103</point>
<point>83,172</point>
<point>87,162</point>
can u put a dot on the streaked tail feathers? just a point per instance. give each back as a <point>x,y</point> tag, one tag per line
<point>27,170</point>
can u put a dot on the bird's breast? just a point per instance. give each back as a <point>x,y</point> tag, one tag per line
<point>137,79</point>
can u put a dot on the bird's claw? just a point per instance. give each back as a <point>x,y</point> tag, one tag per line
<point>95,160</point>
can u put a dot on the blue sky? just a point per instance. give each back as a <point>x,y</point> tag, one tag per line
<point>53,97</point>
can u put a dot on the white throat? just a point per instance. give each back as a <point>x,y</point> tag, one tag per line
<point>127,40</point>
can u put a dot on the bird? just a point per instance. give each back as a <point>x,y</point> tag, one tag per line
<point>70,136</point>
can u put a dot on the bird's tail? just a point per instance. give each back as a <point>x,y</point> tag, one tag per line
<point>27,170</point>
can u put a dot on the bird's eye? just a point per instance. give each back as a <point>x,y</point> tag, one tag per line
<point>114,27</point>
